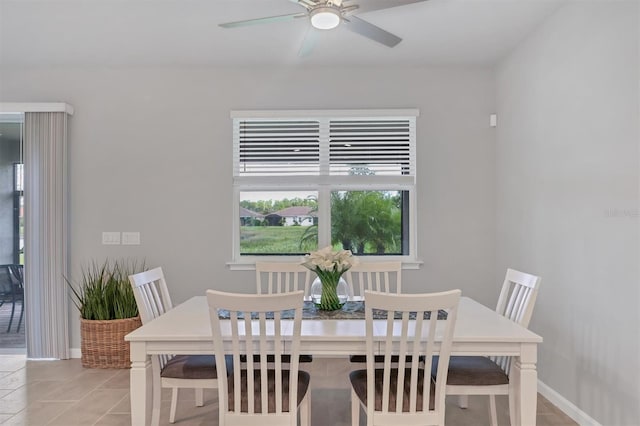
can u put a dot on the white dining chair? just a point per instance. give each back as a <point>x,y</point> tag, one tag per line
<point>478,375</point>
<point>385,277</point>
<point>282,277</point>
<point>404,394</point>
<point>374,276</point>
<point>254,393</point>
<point>180,371</point>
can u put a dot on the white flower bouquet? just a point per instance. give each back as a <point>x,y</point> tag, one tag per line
<point>329,266</point>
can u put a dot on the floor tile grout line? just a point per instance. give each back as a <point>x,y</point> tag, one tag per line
<point>12,416</point>
<point>109,410</point>
<point>74,402</point>
<point>87,395</point>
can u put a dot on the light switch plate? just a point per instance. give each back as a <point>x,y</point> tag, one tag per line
<point>131,238</point>
<point>111,238</point>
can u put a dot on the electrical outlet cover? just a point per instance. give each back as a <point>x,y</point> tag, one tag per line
<point>111,238</point>
<point>131,238</point>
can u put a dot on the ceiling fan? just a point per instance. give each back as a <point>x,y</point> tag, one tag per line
<point>328,14</point>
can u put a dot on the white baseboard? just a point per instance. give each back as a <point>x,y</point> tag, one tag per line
<point>75,353</point>
<point>569,408</point>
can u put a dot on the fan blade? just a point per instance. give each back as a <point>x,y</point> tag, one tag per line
<point>348,10</point>
<point>368,30</point>
<point>306,3</point>
<point>267,20</point>
<point>309,42</point>
<point>371,5</point>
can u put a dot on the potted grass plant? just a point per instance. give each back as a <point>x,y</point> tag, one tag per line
<point>108,311</point>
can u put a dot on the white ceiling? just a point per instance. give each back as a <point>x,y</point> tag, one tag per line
<point>186,32</point>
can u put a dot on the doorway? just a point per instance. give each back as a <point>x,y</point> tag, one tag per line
<point>12,329</point>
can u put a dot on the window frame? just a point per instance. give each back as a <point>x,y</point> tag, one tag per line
<point>324,184</point>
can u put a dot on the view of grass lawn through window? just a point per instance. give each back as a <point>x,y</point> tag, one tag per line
<point>365,222</point>
<point>272,239</point>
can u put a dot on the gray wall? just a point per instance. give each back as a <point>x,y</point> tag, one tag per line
<point>151,151</point>
<point>567,199</point>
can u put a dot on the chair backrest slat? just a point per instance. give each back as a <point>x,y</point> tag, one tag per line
<point>237,384</point>
<point>411,338</point>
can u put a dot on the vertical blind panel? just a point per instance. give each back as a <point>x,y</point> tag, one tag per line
<point>372,147</point>
<point>46,227</point>
<point>280,148</point>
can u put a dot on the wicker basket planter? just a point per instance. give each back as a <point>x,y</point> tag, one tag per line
<point>103,344</point>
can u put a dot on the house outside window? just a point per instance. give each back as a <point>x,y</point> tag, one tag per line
<point>306,179</point>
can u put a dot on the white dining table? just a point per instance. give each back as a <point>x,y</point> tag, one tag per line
<point>479,330</point>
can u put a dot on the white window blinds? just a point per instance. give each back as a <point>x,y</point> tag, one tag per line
<point>335,146</point>
<point>372,147</point>
<point>276,147</point>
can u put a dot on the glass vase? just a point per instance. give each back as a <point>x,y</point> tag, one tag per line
<point>330,293</point>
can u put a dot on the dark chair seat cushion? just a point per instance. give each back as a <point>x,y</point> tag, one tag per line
<point>303,387</point>
<point>193,367</point>
<point>286,359</point>
<point>379,359</point>
<point>358,380</point>
<point>472,371</point>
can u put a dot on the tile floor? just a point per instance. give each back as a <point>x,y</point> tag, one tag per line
<point>64,393</point>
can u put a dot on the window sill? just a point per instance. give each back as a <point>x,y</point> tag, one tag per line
<point>250,263</point>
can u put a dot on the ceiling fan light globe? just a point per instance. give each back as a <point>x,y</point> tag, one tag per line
<point>325,18</point>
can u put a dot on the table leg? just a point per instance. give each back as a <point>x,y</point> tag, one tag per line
<point>524,385</point>
<point>140,385</point>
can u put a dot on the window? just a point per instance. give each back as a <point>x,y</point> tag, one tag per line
<point>307,179</point>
